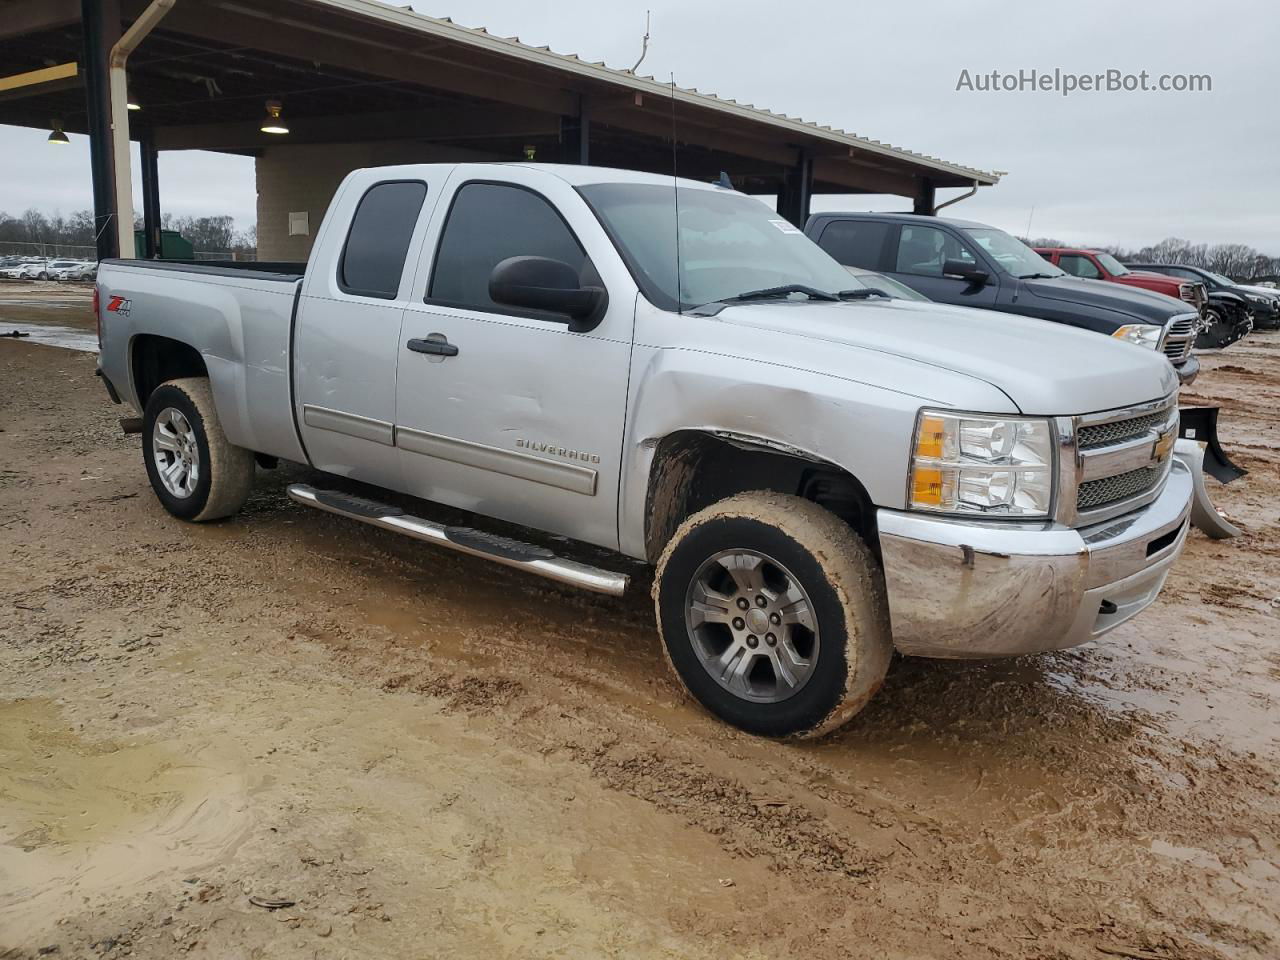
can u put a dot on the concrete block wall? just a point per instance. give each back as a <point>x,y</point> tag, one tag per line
<point>304,177</point>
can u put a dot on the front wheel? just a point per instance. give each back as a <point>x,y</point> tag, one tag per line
<point>196,473</point>
<point>1216,331</point>
<point>773,614</point>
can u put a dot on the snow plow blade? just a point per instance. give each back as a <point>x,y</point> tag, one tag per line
<point>1204,515</point>
<point>1201,424</point>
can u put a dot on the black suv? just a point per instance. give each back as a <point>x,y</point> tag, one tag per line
<point>1263,303</point>
<point>974,265</point>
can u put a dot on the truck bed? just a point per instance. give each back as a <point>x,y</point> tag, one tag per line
<point>285,271</point>
<point>238,316</point>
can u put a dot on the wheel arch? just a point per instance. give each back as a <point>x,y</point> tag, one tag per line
<point>153,359</point>
<point>694,468</point>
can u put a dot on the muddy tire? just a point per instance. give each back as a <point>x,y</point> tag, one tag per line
<point>773,614</point>
<point>195,472</point>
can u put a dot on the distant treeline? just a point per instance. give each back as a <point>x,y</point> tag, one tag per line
<point>1239,261</point>
<point>205,233</point>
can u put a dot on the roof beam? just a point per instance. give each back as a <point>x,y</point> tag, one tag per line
<point>862,179</point>
<point>35,82</point>
<point>654,119</point>
<point>455,123</point>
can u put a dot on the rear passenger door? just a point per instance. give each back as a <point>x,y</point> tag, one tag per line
<point>919,254</point>
<point>856,243</point>
<point>347,332</point>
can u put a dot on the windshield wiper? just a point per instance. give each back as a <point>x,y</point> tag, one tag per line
<point>1041,276</point>
<point>772,293</point>
<point>863,294</point>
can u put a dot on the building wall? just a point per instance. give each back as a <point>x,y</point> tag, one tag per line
<point>304,177</point>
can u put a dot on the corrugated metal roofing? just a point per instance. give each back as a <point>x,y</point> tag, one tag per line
<point>445,28</point>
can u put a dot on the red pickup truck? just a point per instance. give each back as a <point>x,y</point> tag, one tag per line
<point>1098,265</point>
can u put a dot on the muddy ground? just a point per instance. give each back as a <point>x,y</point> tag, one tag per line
<point>427,756</point>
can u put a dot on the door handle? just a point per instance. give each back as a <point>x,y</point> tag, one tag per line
<point>435,344</point>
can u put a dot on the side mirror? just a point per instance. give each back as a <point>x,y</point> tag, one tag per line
<point>540,283</point>
<point>965,271</point>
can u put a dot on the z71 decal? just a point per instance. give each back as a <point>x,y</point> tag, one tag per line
<point>120,305</point>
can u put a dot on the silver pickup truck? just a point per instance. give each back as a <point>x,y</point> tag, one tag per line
<point>669,370</point>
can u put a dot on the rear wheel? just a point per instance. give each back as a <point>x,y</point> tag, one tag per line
<point>773,614</point>
<point>196,473</point>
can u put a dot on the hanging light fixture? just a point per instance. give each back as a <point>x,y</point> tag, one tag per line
<point>273,122</point>
<point>58,136</point>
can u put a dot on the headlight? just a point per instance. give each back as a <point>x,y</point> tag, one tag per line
<point>1143,334</point>
<point>972,464</point>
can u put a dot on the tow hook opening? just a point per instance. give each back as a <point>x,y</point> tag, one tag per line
<point>1106,608</point>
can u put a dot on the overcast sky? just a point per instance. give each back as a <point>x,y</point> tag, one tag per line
<point>1099,168</point>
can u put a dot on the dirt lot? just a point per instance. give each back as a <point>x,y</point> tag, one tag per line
<point>428,756</point>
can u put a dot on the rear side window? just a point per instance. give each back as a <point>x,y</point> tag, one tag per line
<point>373,258</point>
<point>488,223</point>
<point>855,243</point>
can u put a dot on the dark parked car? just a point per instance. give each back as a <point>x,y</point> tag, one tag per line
<point>974,265</point>
<point>1264,303</point>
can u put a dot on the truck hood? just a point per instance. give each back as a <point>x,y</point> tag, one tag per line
<point>1044,368</point>
<point>1151,281</point>
<point>1264,291</point>
<point>1143,306</point>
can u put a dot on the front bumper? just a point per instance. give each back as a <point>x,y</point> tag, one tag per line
<point>1187,371</point>
<point>961,589</point>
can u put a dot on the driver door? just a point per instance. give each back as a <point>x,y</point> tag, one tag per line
<point>510,414</point>
<point>920,253</point>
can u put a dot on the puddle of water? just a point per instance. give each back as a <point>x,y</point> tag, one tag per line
<point>58,318</point>
<point>51,335</point>
<point>81,820</point>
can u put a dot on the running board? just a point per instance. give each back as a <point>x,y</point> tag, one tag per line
<point>477,543</point>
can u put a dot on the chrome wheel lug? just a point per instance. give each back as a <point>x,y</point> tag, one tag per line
<point>739,623</point>
<point>753,641</point>
<point>761,602</point>
<point>775,618</point>
<point>742,603</point>
<point>770,639</point>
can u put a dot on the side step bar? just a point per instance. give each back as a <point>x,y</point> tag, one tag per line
<point>511,553</point>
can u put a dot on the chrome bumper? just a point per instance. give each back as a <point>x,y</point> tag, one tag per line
<point>1188,372</point>
<point>962,589</point>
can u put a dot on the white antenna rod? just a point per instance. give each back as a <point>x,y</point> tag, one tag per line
<point>1029,216</point>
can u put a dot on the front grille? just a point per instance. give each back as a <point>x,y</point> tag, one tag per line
<point>1179,339</point>
<point>1099,493</point>
<point>1118,431</point>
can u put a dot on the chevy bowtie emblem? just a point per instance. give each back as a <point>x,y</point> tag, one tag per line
<point>1163,446</point>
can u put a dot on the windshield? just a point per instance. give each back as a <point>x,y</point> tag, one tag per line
<point>1221,279</point>
<point>730,244</point>
<point>1114,266</point>
<point>1012,254</point>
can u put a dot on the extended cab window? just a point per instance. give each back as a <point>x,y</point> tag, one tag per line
<point>923,250</point>
<point>1079,266</point>
<point>488,223</point>
<point>373,259</point>
<point>855,243</point>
